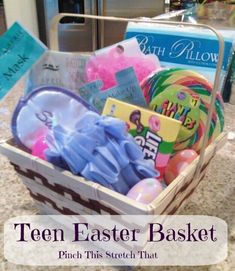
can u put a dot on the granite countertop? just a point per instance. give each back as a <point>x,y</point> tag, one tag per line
<point>214,196</point>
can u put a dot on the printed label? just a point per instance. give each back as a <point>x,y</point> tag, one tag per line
<point>186,50</point>
<point>18,52</point>
<point>127,90</point>
<point>150,145</point>
<point>107,240</point>
<point>175,102</point>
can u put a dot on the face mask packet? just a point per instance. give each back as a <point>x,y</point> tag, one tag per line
<point>127,90</point>
<point>19,51</point>
<point>58,69</point>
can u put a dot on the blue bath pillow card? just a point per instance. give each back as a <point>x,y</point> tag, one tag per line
<point>19,50</point>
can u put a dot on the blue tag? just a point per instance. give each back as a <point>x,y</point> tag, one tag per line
<point>19,50</point>
<point>127,90</point>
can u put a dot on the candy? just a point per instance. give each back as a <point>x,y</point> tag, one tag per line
<point>178,163</point>
<point>153,132</point>
<point>146,190</point>
<point>161,84</point>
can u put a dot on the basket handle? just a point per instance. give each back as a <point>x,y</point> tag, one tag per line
<point>53,38</point>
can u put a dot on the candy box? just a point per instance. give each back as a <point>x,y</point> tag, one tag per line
<point>155,133</point>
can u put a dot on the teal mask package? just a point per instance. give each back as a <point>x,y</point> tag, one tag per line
<point>184,47</point>
<point>19,50</point>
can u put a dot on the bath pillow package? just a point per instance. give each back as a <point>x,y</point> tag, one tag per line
<point>184,47</point>
<point>44,108</point>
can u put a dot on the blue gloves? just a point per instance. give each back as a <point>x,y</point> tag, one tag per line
<point>101,150</point>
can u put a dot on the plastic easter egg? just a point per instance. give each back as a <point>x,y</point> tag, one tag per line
<point>178,163</point>
<point>145,191</point>
<point>39,148</point>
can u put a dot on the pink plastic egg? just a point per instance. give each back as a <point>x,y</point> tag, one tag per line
<point>145,191</point>
<point>178,163</point>
<point>39,148</point>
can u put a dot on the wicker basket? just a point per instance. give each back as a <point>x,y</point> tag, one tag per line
<point>57,191</point>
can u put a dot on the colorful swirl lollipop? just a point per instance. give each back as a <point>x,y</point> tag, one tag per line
<point>161,85</point>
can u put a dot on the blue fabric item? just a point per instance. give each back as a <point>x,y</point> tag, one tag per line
<point>44,108</point>
<point>56,159</point>
<point>113,127</point>
<point>118,153</point>
<point>101,150</point>
<point>131,149</point>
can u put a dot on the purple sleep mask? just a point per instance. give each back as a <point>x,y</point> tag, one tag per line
<point>44,108</point>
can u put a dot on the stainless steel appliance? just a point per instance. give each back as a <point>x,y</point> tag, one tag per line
<point>79,34</point>
<point>2,19</point>
<point>111,32</point>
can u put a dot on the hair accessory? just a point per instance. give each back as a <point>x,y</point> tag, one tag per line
<point>100,149</point>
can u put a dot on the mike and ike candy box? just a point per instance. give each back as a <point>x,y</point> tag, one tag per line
<point>154,133</point>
